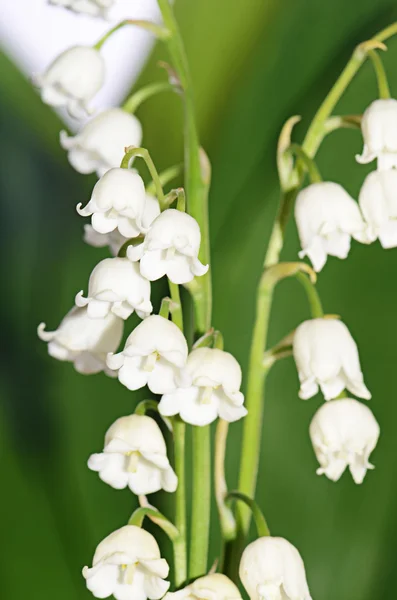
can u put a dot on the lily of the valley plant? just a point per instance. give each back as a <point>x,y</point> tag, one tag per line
<point>153,234</point>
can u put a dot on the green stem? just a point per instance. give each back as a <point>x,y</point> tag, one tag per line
<point>154,515</point>
<point>226,518</point>
<point>132,103</point>
<point>309,163</point>
<point>133,151</point>
<point>165,177</point>
<point>160,32</point>
<point>165,308</point>
<point>145,405</point>
<point>260,521</point>
<point>179,429</point>
<point>196,181</point>
<point>316,307</point>
<point>201,504</point>
<point>381,77</point>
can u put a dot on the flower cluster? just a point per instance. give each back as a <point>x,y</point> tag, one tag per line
<point>344,432</point>
<point>148,240</point>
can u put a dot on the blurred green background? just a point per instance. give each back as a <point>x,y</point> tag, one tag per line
<point>254,63</point>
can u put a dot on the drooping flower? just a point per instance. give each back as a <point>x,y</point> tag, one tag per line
<point>72,79</point>
<point>208,387</point>
<point>114,239</point>
<point>344,433</point>
<point>378,203</point>
<point>272,569</point>
<point>117,202</point>
<point>379,129</point>
<point>153,355</point>
<point>95,8</point>
<point>135,455</point>
<point>326,356</point>
<point>100,144</point>
<point>116,286</point>
<point>327,218</point>
<point>170,248</point>
<point>215,586</point>
<point>83,341</point>
<point>128,564</point>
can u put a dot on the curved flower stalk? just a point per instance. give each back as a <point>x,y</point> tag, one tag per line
<point>214,586</point>
<point>272,569</point>
<point>128,565</point>
<point>117,202</point>
<point>208,387</point>
<point>170,248</point>
<point>99,146</point>
<point>135,455</point>
<point>95,8</point>
<point>327,218</point>
<point>153,355</point>
<point>114,239</point>
<point>84,341</point>
<point>379,128</point>
<point>116,286</point>
<point>326,356</point>
<point>378,202</point>
<point>344,433</point>
<point>73,79</point>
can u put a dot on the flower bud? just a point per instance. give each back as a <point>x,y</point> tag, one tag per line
<point>100,144</point>
<point>344,433</point>
<point>379,129</point>
<point>73,79</point>
<point>272,569</point>
<point>214,586</point>
<point>116,286</point>
<point>326,356</point>
<point>170,248</point>
<point>208,387</point>
<point>327,218</point>
<point>128,564</point>
<point>153,355</point>
<point>378,203</point>
<point>83,341</point>
<point>135,455</point>
<point>117,202</point>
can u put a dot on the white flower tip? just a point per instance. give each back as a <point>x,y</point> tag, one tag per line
<point>364,158</point>
<point>83,212</point>
<point>46,336</point>
<point>79,299</point>
<point>134,253</point>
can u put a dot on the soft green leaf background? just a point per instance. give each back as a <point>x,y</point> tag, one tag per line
<point>254,63</point>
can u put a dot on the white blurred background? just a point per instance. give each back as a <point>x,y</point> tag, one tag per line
<point>23,22</point>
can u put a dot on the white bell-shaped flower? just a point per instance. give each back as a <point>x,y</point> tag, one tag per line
<point>73,79</point>
<point>135,455</point>
<point>344,433</point>
<point>95,8</point>
<point>272,569</point>
<point>153,355</point>
<point>379,129</point>
<point>83,341</point>
<point>117,202</point>
<point>215,586</point>
<point>378,203</point>
<point>128,565</point>
<point>208,387</point>
<point>116,286</point>
<point>100,144</point>
<point>327,218</point>
<point>114,239</point>
<point>170,248</point>
<point>326,356</point>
